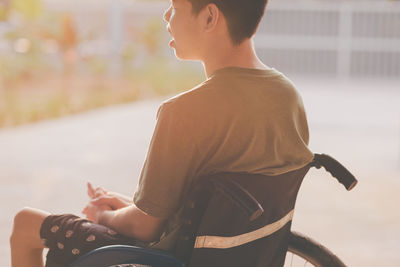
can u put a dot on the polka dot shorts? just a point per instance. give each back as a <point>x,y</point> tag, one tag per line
<point>68,237</point>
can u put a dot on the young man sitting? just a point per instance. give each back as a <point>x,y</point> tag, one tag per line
<point>245,117</point>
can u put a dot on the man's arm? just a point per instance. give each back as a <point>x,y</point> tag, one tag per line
<point>129,221</point>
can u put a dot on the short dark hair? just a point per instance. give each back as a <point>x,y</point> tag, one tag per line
<point>242,16</point>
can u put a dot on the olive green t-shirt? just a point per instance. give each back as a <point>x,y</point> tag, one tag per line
<point>238,120</point>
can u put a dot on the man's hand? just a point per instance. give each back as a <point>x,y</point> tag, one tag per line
<point>103,197</point>
<point>113,202</point>
<point>95,192</point>
<point>119,213</point>
<point>93,212</point>
<point>101,200</point>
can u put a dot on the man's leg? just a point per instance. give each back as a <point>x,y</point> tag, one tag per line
<point>26,245</point>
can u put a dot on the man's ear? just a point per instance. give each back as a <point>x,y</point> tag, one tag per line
<point>210,15</point>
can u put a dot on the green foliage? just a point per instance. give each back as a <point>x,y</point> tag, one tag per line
<point>151,36</point>
<point>97,65</point>
<point>163,79</point>
<point>28,32</point>
<point>16,68</point>
<point>46,101</point>
<point>4,12</point>
<point>27,93</point>
<point>29,9</point>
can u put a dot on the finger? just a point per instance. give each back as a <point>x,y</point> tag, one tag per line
<point>90,190</point>
<point>99,192</point>
<point>104,200</point>
<point>101,200</point>
<point>84,211</point>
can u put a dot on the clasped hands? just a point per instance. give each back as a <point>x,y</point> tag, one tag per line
<point>101,200</point>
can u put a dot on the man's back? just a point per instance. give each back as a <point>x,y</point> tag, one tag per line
<point>239,120</point>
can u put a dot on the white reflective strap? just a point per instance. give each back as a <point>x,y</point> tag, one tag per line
<point>234,241</point>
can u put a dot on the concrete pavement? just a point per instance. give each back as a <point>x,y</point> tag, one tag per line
<point>46,165</point>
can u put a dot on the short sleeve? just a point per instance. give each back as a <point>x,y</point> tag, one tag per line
<point>170,164</point>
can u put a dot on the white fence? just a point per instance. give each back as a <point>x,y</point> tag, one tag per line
<point>343,39</point>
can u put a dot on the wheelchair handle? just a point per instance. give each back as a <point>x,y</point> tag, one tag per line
<point>336,169</point>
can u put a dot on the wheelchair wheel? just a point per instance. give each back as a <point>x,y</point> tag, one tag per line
<point>304,251</point>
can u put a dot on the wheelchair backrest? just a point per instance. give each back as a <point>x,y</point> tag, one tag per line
<point>238,219</point>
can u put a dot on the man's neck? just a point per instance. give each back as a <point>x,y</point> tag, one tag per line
<point>222,56</point>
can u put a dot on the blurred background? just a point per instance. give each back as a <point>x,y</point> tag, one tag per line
<point>80,83</point>
<point>61,57</point>
<point>107,52</point>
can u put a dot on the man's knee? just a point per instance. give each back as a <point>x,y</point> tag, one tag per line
<point>24,224</point>
<point>22,218</point>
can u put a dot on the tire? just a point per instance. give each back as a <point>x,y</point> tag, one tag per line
<point>311,251</point>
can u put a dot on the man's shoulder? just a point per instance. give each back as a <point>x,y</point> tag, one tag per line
<point>190,97</point>
<point>233,91</point>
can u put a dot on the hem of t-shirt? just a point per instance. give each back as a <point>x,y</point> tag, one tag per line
<point>296,167</point>
<point>151,208</point>
<point>308,161</point>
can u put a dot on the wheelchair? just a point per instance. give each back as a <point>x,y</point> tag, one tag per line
<point>240,205</point>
